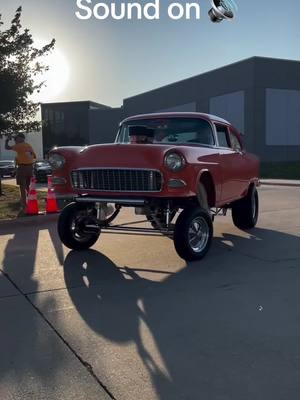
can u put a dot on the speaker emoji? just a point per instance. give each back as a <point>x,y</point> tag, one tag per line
<point>222,9</point>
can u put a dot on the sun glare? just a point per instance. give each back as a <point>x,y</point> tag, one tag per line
<point>56,78</point>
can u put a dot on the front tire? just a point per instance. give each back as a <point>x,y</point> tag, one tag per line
<point>70,223</point>
<point>193,233</point>
<point>245,211</point>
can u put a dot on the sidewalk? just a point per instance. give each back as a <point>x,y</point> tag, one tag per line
<point>280,182</point>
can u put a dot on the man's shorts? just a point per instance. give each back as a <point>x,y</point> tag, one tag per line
<point>24,174</point>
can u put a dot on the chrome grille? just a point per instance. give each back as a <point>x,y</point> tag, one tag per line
<point>117,180</point>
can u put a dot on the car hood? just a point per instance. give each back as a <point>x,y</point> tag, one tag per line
<point>43,168</point>
<point>132,155</point>
<point>121,155</point>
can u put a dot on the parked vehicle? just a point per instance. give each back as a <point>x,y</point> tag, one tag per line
<point>41,171</point>
<point>179,170</point>
<point>8,168</point>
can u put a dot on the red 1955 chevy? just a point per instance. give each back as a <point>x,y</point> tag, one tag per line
<point>179,170</point>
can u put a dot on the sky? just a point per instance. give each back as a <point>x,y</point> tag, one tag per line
<point>107,61</point>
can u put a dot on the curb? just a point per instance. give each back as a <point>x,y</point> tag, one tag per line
<point>280,183</point>
<point>36,219</point>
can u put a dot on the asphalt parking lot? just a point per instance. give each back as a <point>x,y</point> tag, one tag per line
<point>130,320</point>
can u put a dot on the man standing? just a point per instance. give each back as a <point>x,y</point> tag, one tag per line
<point>25,159</point>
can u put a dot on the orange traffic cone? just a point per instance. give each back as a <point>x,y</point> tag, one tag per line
<point>32,207</point>
<point>51,204</point>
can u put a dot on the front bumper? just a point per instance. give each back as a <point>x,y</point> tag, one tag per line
<point>7,171</point>
<point>42,175</point>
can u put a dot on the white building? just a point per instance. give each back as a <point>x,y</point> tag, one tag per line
<point>33,138</point>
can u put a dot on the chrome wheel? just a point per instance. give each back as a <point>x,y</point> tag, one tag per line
<point>79,221</point>
<point>199,234</point>
<point>193,233</point>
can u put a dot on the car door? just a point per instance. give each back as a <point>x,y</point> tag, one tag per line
<point>241,175</point>
<point>230,162</point>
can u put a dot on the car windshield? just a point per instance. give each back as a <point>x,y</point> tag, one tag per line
<point>42,164</point>
<point>167,131</point>
<point>7,162</point>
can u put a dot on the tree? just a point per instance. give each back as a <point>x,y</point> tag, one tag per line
<point>20,66</point>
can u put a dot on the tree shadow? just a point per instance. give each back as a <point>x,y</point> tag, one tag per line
<point>28,348</point>
<point>205,320</point>
<point>25,235</point>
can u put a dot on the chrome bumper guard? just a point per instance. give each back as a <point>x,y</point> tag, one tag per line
<point>133,202</point>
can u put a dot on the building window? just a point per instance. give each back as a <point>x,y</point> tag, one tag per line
<point>282,117</point>
<point>51,116</point>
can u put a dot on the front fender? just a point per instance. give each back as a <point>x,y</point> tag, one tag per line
<point>214,171</point>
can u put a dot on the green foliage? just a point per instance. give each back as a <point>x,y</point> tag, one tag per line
<point>20,64</point>
<point>280,170</point>
<point>10,202</point>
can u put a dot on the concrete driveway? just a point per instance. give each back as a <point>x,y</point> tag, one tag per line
<point>129,320</point>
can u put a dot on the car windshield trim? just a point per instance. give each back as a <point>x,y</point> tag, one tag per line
<point>168,131</point>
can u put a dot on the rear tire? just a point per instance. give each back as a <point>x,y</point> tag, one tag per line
<point>245,211</point>
<point>72,217</point>
<point>193,233</point>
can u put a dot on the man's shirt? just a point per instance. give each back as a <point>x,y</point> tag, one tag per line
<point>25,153</point>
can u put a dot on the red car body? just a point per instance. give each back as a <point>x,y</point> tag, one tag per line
<point>229,170</point>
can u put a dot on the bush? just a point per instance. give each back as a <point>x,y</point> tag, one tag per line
<point>280,170</point>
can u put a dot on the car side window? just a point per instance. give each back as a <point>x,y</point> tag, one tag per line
<point>235,144</point>
<point>222,134</point>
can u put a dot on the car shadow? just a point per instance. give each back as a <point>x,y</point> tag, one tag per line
<point>205,320</point>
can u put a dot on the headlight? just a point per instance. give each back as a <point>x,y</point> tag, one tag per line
<point>57,161</point>
<point>174,161</point>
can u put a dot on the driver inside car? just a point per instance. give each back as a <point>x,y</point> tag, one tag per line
<point>140,135</point>
<point>160,135</point>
